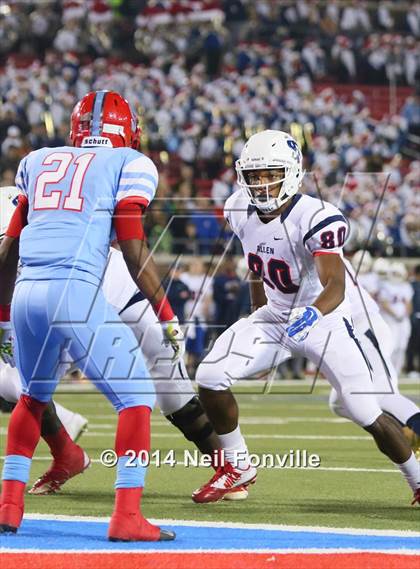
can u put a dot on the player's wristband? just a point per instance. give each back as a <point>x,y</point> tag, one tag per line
<point>163,310</point>
<point>4,312</point>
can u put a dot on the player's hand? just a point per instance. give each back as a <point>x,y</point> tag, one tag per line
<point>6,347</point>
<point>301,322</point>
<point>174,337</point>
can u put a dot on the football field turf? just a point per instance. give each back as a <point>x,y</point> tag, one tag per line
<point>355,486</point>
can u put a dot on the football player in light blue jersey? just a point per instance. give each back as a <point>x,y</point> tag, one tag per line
<point>72,199</point>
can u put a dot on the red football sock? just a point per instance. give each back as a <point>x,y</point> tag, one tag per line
<point>22,437</point>
<point>12,492</point>
<point>133,433</point>
<point>133,430</point>
<point>127,500</point>
<point>60,444</point>
<point>25,426</point>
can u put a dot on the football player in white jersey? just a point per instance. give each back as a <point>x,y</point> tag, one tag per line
<point>377,342</point>
<point>293,242</point>
<point>394,298</point>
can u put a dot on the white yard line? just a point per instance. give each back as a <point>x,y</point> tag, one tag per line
<point>176,435</point>
<point>87,386</point>
<point>250,420</point>
<point>110,430</point>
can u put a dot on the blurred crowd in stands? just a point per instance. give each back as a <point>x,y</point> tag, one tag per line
<point>206,74</point>
<point>353,40</point>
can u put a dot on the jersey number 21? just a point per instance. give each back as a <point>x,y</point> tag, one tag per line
<point>73,201</point>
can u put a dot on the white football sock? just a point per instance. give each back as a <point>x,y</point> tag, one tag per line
<point>411,472</point>
<point>235,449</point>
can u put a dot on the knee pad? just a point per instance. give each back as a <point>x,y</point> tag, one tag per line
<point>192,421</point>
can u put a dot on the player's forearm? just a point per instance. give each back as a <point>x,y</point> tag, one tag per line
<point>9,257</point>
<point>149,282</point>
<point>332,274</point>
<point>332,295</point>
<point>143,269</point>
<point>256,290</point>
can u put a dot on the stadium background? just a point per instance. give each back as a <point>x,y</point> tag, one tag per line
<point>344,77</point>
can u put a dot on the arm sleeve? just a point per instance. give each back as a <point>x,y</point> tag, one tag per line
<point>19,218</point>
<point>128,218</point>
<point>139,178</point>
<point>327,232</point>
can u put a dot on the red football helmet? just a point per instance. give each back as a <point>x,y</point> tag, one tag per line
<point>107,115</point>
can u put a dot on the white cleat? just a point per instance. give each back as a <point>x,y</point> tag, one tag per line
<point>236,494</point>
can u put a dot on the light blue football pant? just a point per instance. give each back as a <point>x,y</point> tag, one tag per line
<point>61,321</point>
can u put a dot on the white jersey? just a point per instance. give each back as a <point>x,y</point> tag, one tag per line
<point>361,303</point>
<point>396,295</point>
<point>117,285</point>
<point>282,251</point>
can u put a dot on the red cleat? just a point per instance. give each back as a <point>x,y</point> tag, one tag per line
<point>133,527</point>
<point>11,507</point>
<point>10,518</point>
<point>416,497</point>
<point>61,471</point>
<point>226,478</point>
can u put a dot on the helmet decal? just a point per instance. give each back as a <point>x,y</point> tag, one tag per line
<point>97,112</point>
<point>294,146</point>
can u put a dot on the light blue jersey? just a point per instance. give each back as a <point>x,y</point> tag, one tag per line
<point>72,195</point>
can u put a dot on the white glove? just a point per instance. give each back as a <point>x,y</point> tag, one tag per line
<point>301,322</point>
<point>174,337</point>
<point>6,346</point>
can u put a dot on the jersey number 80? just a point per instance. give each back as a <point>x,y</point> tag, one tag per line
<point>278,272</point>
